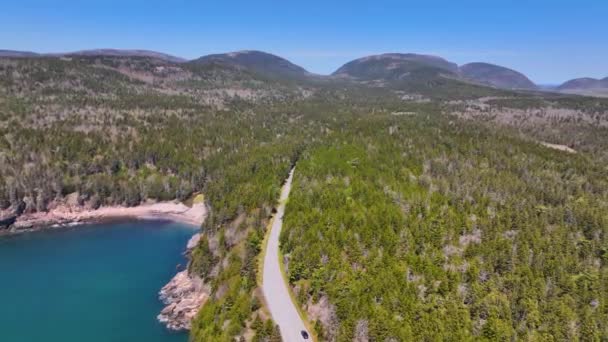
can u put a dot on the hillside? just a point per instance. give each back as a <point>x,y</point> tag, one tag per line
<point>13,53</point>
<point>103,79</point>
<point>257,61</point>
<point>435,74</point>
<point>394,66</point>
<point>125,53</point>
<point>97,52</point>
<point>584,84</point>
<point>496,76</point>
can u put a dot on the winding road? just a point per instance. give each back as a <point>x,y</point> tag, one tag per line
<point>276,291</point>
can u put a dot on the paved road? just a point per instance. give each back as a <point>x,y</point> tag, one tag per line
<point>275,289</point>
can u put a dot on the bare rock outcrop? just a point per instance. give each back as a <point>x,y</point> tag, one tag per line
<point>183,295</point>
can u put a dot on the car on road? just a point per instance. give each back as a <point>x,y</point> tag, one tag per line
<point>304,334</point>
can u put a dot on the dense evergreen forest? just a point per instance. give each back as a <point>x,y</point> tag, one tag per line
<point>423,228</point>
<point>427,210</point>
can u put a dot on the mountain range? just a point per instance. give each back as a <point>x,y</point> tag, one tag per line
<point>397,66</point>
<point>378,69</point>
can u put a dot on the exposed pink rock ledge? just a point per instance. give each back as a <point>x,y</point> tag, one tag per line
<point>63,214</point>
<point>183,296</point>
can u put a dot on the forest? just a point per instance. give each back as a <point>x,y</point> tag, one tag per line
<point>427,228</point>
<point>408,220</point>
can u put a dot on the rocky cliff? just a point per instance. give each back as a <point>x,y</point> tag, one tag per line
<point>183,296</point>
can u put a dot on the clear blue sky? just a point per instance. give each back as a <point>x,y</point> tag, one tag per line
<point>550,41</point>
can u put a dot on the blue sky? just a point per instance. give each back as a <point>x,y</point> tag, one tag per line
<point>550,41</point>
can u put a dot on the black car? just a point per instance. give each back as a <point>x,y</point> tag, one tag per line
<point>304,334</point>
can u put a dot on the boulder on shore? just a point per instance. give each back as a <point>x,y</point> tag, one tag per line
<point>8,221</point>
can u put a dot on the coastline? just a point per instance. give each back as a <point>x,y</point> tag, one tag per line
<point>184,294</point>
<point>67,216</point>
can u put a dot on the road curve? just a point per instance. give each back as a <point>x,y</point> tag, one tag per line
<point>282,309</point>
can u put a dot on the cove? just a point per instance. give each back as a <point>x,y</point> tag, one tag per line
<point>90,283</point>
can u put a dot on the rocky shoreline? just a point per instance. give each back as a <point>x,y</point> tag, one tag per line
<point>66,215</point>
<point>183,296</point>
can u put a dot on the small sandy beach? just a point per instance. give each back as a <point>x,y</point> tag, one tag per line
<point>64,215</point>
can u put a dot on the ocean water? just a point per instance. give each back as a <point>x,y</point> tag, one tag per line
<point>90,283</point>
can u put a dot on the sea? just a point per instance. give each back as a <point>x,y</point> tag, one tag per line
<point>95,283</point>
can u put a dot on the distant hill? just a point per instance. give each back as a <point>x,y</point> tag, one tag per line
<point>13,53</point>
<point>584,83</point>
<point>263,63</point>
<point>214,85</point>
<point>408,73</point>
<point>409,67</point>
<point>585,86</point>
<point>395,66</point>
<point>496,76</point>
<point>125,53</point>
<point>97,52</point>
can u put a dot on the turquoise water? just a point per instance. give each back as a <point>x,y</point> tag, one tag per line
<point>89,283</point>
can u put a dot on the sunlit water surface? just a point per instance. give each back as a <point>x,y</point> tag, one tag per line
<point>90,283</point>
